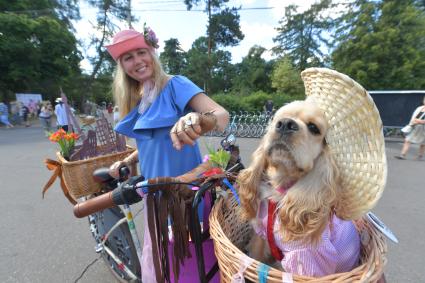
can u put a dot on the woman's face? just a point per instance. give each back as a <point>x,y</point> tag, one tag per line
<point>138,64</point>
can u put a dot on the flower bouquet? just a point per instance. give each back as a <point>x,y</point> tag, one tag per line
<point>66,141</point>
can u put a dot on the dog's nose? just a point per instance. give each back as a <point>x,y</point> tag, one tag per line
<point>287,126</point>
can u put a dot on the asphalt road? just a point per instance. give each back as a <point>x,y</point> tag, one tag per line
<point>41,241</point>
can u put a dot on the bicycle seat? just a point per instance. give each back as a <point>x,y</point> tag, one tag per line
<point>101,175</point>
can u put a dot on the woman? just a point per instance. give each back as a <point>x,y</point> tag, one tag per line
<point>417,135</point>
<point>163,113</point>
<point>45,116</point>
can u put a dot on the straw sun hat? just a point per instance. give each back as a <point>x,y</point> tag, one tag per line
<point>355,138</point>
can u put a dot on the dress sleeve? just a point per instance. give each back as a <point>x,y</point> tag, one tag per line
<point>126,125</point>
<point>183,91</point>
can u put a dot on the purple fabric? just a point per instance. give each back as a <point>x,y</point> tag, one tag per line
<point>189,272</point>
<point>337,251</point>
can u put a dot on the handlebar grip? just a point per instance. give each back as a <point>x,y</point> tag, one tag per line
<point>93,205</point>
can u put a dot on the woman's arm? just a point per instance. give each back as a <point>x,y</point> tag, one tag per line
<point>188,128</point>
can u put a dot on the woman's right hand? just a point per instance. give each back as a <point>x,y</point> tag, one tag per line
<point>115,167</point>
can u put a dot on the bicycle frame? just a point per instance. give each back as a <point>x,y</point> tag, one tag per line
<point>198,236</point>
<point>101,247</point>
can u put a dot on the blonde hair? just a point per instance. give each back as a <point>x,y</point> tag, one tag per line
<point>128,91</point>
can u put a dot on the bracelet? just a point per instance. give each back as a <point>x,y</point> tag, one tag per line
<point>208,121</point>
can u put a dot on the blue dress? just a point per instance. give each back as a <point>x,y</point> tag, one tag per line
<point>151,130</point>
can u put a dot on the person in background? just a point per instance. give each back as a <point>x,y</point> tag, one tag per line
<point>269,107</point>
<point>4,115</point>
<point>61,117</point>
<point>163,113</point>
<point>14,110</point>
<point>417,135</point>
<point>24,112</point>
<point>45,117</point>
<point>116,115</point>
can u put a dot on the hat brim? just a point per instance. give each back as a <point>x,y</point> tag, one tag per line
<point>355,138</point>
<point>118,49</point>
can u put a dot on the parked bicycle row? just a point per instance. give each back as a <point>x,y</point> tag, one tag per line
<point>245,124</point>
<point>253,125</point>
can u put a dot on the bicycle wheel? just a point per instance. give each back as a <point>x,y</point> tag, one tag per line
<point>119,242</point>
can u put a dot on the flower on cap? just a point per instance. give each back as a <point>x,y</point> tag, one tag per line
<point>150,36</point>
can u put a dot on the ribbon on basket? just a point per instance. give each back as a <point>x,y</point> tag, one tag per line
<point>57,167</point>
<point>239,277</point>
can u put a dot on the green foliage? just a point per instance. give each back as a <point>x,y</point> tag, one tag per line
<point>173,58</point>
<point>36,54</point>
<point>253,73</point>
<point>385,48</point>
<point>286,79</point>
<point>301,35</point>
<point>218,158</point>
<point>230,102</point>
<point>255,101</point>
<point>224,28</point>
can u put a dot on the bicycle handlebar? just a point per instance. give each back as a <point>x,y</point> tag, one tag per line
<point>93,205</point>
<point>126,194</point>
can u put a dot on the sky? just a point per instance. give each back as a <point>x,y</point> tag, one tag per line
<point>258,25</point>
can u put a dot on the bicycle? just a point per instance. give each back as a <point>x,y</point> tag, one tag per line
<point>112,224</point>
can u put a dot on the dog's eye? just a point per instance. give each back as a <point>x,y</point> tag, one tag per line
<point>313,129</point>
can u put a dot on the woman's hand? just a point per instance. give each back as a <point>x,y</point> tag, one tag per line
<point>114,169</point>
<point>186,130</point>
<point>418,121</point>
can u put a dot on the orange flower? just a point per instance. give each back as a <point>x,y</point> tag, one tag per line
<point>75,136</point>
<point>65,141</point>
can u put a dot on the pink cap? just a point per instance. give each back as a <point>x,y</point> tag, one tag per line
<point>125,41</point>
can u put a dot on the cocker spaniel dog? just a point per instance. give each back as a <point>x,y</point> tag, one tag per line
<point>289,192</point>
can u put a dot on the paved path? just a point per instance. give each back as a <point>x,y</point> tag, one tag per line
<point>43,242</point>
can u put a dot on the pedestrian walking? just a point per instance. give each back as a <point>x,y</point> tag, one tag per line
<point>61,117</point>
<point>24,111</point>
<point>4,115</point>
<point>45,116</point>
<point>417,133</point>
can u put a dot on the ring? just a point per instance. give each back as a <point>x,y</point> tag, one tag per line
<point>188,123</point>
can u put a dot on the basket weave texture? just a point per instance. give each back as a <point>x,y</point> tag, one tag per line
<point>231,234</point>
<point>355,138</point>
<point>78,175</point>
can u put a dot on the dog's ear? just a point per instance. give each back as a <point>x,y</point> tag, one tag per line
<point>249,179</point>
<point>305,210</point>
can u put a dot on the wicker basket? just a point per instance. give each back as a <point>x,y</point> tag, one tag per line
<point>78,177</point>
<point>231,235</point>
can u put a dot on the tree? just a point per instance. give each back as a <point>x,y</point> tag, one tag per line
<point>301,36</point>
<point>197,62</point>
<point>253,72</point>
<point>286,79</point>
<point>37,53</point>
<point>385,49</point>
<point>173,58</point>
<point>222,30</point>
<point>108,11</point>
